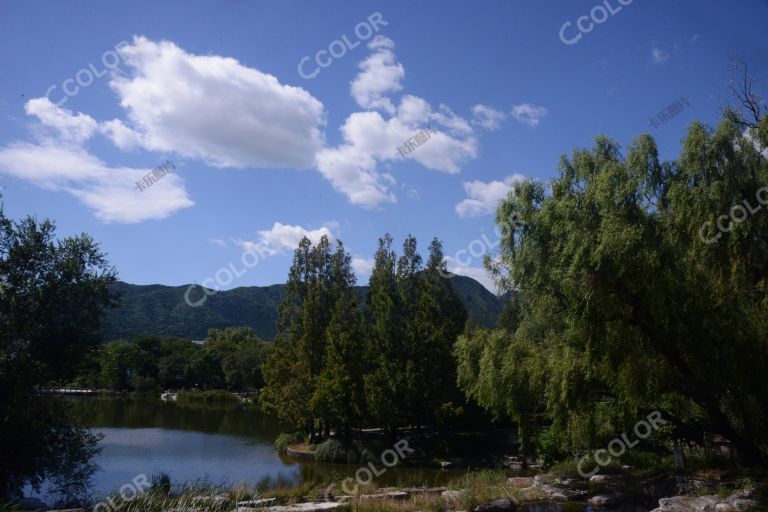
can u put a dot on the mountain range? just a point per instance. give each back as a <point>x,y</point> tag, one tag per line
<point>161,310</point>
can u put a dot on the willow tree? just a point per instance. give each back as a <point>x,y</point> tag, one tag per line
<point>50,312</point>
<point>642,285</point>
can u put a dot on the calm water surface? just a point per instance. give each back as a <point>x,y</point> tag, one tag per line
<point>218,444</point>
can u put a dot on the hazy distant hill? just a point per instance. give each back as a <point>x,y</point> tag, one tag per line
<point>161,310</point>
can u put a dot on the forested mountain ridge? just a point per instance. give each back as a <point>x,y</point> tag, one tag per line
<point>161,310</point>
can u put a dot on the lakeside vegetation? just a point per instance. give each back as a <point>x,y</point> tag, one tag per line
<point>228,359</point>
<point>619,309</point>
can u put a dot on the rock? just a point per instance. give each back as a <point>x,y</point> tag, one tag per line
<point>675,504</point>
<point>68,510</point>
<point>502,505</point>
<point>603,500</point>
<point>704,503</point>
<point>520,482</point>
<point>598,479</point>
<point>724,507</point>
<point>563,493</point>
<point>395,495</point>
<point>417,491</point>
<point>452,496</point>
<point>300,507</point>
<point>263,502</point>
<point>742,504</point>
<point>540,480</point>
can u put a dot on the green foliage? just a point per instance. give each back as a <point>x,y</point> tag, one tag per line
<point>335,364</point>
<point>229,359</point>
<point>629,300</point>
<point>49,317</point>
<point>547,448</point>
<point>287,438</point>
<point>343,452</point>
<point>333,450</point>
<point>162,311</point>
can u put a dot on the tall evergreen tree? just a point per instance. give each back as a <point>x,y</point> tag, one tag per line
<point>385,384</point>
<point>339,396</point>
<point>287,376</point>
<point>439,319</point>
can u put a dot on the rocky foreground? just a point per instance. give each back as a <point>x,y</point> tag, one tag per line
<point>601,492</point>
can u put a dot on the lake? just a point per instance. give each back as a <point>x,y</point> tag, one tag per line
<point>223,444</point>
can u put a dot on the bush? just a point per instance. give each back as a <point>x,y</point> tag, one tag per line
<point>547,449</point>
<point>287,438</point>
<point>333,450</point>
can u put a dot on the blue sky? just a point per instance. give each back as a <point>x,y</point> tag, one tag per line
<point>263,155</point>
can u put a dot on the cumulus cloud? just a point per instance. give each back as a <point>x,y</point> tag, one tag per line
<point>226,114</point>
<point>71,127</point>
<point>382,134</point>
<point>110,191</point>
<point>484,197</point>
<point>362,268</point>
<point>206,107</point>
<point>380,74</point>
<point>487,117</point>
<point>282,238</point>
<point>528,113</point>
<point>213,108</point>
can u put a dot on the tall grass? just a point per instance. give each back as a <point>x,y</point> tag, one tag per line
<point>287,438</point>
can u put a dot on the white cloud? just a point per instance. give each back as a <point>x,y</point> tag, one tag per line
<point>282,238</point>
<point>528,113</point>
<point>122,136</point>
<point>659,55</point>
<point>487,117</point>
<point>479,274</point>
<point>380,74</point>
<point>71,127</point>
<point>353,172</point>
<point>218,241</point>
<point>362,267</point>
<point>213,108</point>
<point>484,197</point>
<point>110,191</point>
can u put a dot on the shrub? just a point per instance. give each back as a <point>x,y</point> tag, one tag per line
<point>287,438</point>
<point>333,450</point>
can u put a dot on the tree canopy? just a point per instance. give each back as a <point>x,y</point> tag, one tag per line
<point>640,285</point>
<point>50,309</point>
